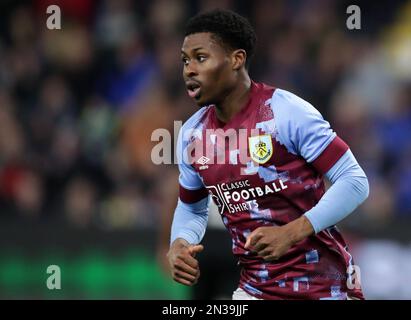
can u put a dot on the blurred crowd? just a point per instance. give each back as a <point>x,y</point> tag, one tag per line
<point>78,105</point>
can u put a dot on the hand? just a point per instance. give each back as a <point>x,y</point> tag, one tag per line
<point>183,265</point>
<point>271,243</point>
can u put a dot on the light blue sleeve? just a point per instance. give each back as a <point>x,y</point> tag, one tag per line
<point>190,221</point>
<point>299,126</point>
<point>303,131</point>
<point>349,189</point>
<point>189,178</point>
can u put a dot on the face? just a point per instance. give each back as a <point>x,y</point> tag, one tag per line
<point>207,68</point>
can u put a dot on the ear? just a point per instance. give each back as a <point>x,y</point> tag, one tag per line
<point>238,58</point>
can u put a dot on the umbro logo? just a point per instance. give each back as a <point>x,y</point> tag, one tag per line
<point>203,160</point>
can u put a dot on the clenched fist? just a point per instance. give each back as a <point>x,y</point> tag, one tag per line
<point>183,265</point>
<point>271,243</point>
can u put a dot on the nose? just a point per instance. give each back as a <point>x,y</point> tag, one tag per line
<point>190,70</point>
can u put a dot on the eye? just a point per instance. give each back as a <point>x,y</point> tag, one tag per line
<point>201,58</point>
<point>184,60</point>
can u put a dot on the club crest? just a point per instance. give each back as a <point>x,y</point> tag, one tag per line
<point>261,148</point>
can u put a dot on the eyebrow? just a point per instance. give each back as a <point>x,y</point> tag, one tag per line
<point>195,49</point>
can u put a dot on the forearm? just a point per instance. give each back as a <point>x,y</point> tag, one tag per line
<point>190,221</point>
<point>299,229</point>
<point>350,188</point>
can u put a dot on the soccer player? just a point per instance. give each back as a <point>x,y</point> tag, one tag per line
<point>274,205</point>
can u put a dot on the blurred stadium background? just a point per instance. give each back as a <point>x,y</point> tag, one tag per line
<point>78,106</point>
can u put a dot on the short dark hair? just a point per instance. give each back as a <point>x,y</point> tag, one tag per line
<point>233,30</point>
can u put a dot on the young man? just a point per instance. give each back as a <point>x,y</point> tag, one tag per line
<point>274,204</point>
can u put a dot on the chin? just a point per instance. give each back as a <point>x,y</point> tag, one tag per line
<point>200,102</point>
<point>203,102</point>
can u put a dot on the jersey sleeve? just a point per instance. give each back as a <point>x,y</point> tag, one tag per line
<point>303,131</point>
<point>191,186</point>
<point>349,189</point>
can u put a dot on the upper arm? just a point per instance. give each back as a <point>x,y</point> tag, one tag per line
<point>304,132</point>
<point>191,186</point>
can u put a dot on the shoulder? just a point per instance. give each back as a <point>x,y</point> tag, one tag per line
<point>299,125</point>
<point>196,121</point>
<point>288,103</point>
<point>192,127</point>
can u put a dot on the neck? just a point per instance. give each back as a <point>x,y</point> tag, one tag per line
<point>235,100</point>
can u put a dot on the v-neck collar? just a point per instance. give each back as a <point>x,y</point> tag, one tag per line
<point>241,114</point>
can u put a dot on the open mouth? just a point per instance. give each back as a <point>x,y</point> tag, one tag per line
<point>193,89</point>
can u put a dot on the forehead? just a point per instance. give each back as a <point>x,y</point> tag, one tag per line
<point>201,40</point>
